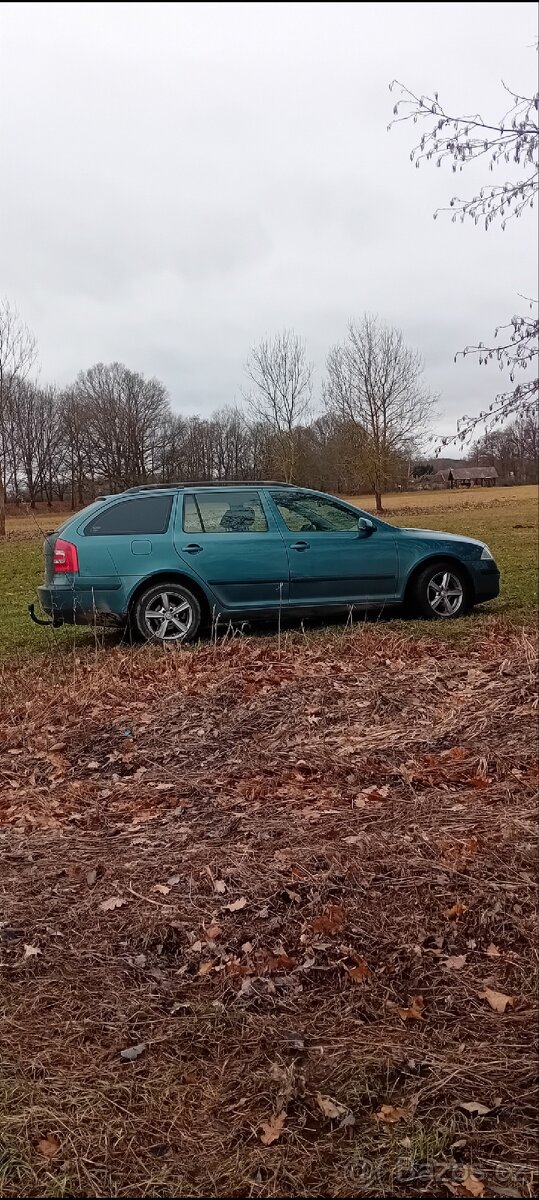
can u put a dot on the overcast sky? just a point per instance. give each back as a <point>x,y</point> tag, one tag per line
<point>177,181</point>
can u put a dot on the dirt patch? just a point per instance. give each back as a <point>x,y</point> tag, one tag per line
<point>256,911</point>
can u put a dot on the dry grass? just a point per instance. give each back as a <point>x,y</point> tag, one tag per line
<point>451,500</point>
<point>352,790</point>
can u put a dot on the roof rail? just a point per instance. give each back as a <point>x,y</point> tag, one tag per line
<point>208,483</point>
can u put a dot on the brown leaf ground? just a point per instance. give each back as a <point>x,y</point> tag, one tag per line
<point>131,769</point>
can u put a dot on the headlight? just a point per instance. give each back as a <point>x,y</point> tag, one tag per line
<point>485,553</point>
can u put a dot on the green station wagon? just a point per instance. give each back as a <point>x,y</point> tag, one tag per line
<point>168,559</point>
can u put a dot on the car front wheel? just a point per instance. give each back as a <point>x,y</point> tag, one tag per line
<point>441,592</point>
<point>167,613</point>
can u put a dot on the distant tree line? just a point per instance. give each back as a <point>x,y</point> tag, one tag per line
<point>113,428</point>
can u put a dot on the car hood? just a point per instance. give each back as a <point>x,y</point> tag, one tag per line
<point>439,535</point>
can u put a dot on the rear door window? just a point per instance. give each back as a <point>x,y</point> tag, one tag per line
<point>139,515</point>
<point>225,512</point>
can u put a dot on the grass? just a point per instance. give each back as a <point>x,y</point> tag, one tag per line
<point>506,518</point>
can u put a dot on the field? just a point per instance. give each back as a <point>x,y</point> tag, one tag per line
<point>506,518</point>
<point>268,908</point>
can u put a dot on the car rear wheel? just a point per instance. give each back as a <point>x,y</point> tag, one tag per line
<point>167,613</point>
<point>441,592</point>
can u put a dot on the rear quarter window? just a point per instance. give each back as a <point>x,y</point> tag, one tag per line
<point>143,514</point>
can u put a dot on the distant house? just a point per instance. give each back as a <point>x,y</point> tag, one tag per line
<point>455,477</point>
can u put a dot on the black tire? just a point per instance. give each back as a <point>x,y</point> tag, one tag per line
<point>441,592</point>
<point>150,614</point>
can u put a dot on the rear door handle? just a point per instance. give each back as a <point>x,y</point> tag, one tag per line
<point>300,546</point>
<point>192,548</point>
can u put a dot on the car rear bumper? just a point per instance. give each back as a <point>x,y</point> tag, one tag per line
<point>68,605</point>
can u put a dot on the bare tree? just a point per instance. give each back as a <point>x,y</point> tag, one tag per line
<point>18,354</point>
<point>374,383</point>
<point>124,410</point>
<point>459,140</point>
<point>280,396</point>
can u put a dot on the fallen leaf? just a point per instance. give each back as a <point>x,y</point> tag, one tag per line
<point>471,1183</point>
<point>475,1108</point>
<point>497,1000</point>
<point>455,962</point>
<point>493,951</point>
<point>112,902</point>
<point>49,1146</point>
<point>174,879</point>
<point>414,1012</point>
<point>235,905</point>
<point>359,972</point>
<point>390,1114</point>
<point>31,951</point>
<point>479,781</point>
<point>219,885</point>
<point>163,787</point>
<point>373,793</point>
<point>277,962</point>
<point>205,968</point>
<point>93,765</point>
<point>331,1108</point>
<point>133,1052</point>
<point>272,1129</point>
<point>330,921</point>
<point>213,932</point>
<point>196,947</point>
<point>247,947</point>
<point>457,910</point>
<point>91,877</point>
<point>456,753</point>
<point>161,888</point>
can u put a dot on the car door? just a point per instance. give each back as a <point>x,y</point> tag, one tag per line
<point>232,541</point>
<point>331,561</point>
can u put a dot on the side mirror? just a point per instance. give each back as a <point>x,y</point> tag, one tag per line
<point>365,526</point>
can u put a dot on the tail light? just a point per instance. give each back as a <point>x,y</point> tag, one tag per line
<point>66,559</point>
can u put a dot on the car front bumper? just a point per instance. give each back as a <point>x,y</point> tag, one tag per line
<point>486,580</point>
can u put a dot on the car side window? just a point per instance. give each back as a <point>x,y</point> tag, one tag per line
<point>303,513</point>
<point>225,512</point>
<point>142,514</point>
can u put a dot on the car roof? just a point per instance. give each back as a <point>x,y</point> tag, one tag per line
<point>208,483</point>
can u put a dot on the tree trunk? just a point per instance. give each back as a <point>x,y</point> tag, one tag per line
<point>378,498</point>
<point>2,509</point>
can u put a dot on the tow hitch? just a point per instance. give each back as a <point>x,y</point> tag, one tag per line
<point>38,621</point>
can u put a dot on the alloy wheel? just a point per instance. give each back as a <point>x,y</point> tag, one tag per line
<point>445,594</point>
<point>168,616</point>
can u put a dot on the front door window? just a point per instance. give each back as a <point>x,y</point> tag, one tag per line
<point>303,513</point>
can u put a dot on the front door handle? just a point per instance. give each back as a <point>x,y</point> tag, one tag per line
<point>192,548</point>
<point>300,546</point>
